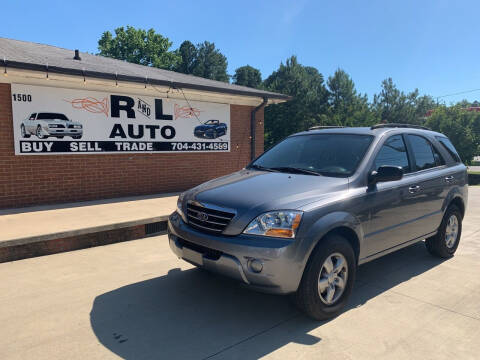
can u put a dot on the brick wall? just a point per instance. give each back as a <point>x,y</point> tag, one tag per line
<point>47,179</point>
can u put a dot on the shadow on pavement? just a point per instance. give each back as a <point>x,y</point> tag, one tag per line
<point>193,314</point>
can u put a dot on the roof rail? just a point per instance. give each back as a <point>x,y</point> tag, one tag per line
<point>325,127</point>
<point>395,125</point>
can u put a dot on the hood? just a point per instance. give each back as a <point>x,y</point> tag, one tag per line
<point>203,127</point>
<point>248,193</point>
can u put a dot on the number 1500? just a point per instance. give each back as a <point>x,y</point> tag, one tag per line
<point>22,97</point>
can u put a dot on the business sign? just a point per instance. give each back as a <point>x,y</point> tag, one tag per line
<point>48,120</point>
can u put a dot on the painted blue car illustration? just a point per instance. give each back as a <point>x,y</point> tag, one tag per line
<point>210,129</point>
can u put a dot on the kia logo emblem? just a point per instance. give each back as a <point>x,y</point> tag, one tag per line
<point>203,216</point>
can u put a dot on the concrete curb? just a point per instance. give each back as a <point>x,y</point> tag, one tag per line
<point>48,244</point>
<point>84,231</point>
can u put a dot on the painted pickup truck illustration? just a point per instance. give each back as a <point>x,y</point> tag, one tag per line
<point>45,124</point>
<point>210,129</point>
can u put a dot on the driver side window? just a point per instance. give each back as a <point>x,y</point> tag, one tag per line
<point>393,153</point>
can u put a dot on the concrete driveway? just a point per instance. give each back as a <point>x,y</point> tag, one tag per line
<point>135,300</point>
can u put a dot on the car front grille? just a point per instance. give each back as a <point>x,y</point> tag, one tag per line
<point>206,219</point>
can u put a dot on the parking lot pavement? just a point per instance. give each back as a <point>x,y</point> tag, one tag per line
<point>135,300</point>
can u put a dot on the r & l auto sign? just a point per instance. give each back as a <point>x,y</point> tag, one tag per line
<point>49,120</point>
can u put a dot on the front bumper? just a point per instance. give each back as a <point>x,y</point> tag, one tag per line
<point>200,134</point>
<point>236,256</point>
<point>64,132</point>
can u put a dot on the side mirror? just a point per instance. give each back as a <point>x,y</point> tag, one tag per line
<point>385,173</point>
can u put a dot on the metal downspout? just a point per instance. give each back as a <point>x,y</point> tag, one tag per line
<point>253,127</point>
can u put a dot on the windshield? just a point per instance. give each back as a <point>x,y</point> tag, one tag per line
<point>51,116</point>
<point>327,154</point>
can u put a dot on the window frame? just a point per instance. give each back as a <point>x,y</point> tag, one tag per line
<point>409,159</point>
<point>412,153</point>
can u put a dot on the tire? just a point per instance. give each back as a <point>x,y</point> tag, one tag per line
<point>77,137</point>
<point>39,133</point>
<point>59,137</point>
<point>445,242</point>
<point>214,134</point>
<point>24,132</point>
<point>309,297</point>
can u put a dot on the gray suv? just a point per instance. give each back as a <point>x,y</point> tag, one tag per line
<point>301,217</point>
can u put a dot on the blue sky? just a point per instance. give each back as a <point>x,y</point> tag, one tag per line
<point>425,44</point>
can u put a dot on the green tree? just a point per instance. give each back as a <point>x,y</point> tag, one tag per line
<point>210,62</point>
<point>346,106</point>
<point>202,60</point>
<point>422,105</point>
<point>188,54</point>
<point>307,108</point>
<point>394,106</point>
<point>144,47</point>
<point>247,76</point>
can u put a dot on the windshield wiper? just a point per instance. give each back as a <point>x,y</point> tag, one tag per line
<point>259,167</point>
<point>296,170</point>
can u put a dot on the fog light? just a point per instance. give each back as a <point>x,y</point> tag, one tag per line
<point>255,265</point>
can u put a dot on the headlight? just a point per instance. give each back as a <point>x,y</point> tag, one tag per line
<point>179,205</point>
<point>276,223</point>
<point>53,125</point>
<point>77,126</point>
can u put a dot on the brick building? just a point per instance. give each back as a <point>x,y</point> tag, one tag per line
<point>35,76</point>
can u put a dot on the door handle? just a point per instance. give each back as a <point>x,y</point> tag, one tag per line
<point>449,178</point>
<point>414,189</point>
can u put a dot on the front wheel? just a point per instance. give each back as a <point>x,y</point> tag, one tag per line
<point>445,242</point>
<point>77,137</point>
<point>39,133</point>
<point>328,278</point>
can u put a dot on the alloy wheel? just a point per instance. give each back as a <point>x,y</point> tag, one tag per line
<point>451,231</point>
<point>39,133</point>
<point>332,279</point>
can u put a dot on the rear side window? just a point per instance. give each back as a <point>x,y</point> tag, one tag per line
<point>32,117</point>
<point>393,153</point>
<point>423,152</point>
<point>450,148</point>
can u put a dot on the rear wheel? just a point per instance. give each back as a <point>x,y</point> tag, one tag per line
<point>328,278</point>
<point>445,242</point>
<point>24,132</point>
